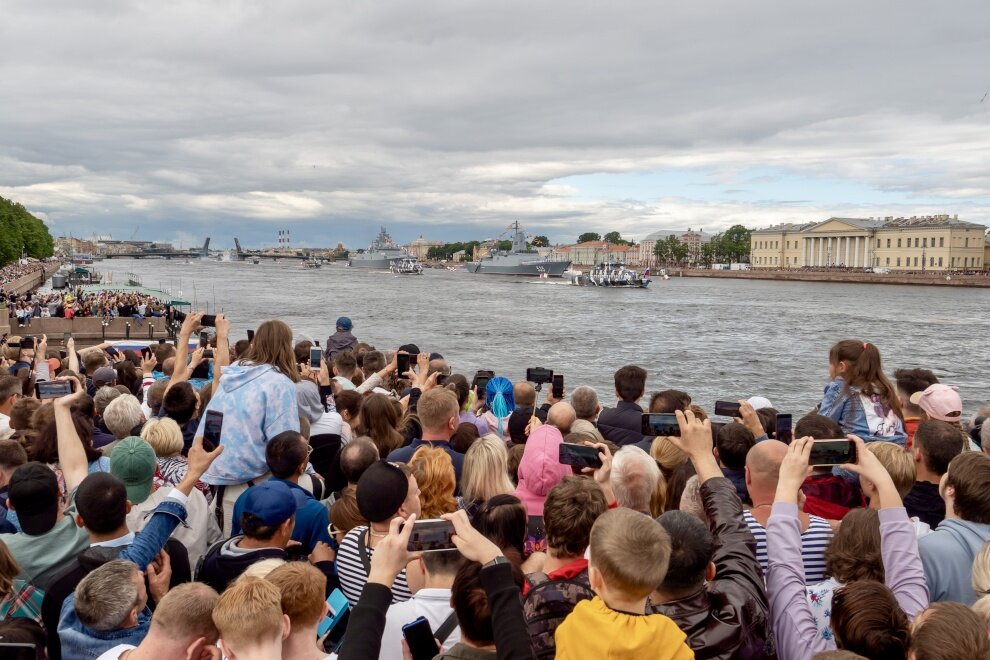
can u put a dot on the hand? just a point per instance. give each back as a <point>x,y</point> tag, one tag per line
<point>472,543</point>
<point>197,357</point>
<point>190,324</point>
<point>750,419</point>
<point>321,552</point>
<point>42,346</point>
<point>407,654</point>
<point>431,381</point>
<point>423,362</point>
<point>391,553</point>
<point>551,399</point>
<point>533,424</point>
<point>602,475</point>
<point>867,465</point>
<point>479,401</point>
<point>199,459</point>
<point>324,376</point>
<point>392,366</point>
<point>696,435</point>
<point>159,574</point>
<point>222,325</point>
<point>148,364</point>
<point>66,402</point>
<point>794,470</point>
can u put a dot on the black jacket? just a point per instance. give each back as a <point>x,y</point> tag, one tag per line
<point>729,617</point>
<point>218,569</point>
<point>623,424</point>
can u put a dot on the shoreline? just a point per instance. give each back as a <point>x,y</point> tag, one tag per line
<point>940,279</point>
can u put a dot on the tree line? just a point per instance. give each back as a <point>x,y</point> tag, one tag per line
<point>21,231</point>
<point>729,246</point>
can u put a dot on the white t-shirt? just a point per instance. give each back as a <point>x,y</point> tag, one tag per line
<point>200,531</point>
<point>116,652</point>
<point>432,603</point>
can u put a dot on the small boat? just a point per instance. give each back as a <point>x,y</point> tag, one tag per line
<point>612,275</point>
<point>406,266</point>
<point>312,263</point>
<point>255,260</point>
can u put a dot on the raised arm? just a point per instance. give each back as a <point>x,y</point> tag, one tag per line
<point>189,326</point>
<point>221,356</point>
<point>41,371</point>
<point>71,455</point>
<point>70,352</point>
<point>792,620</point>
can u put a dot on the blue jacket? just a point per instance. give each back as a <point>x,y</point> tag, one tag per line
<point>947,556</point>
<point>623,425</point>
<point>80,642</point>
<point>858,414</point>
<point>312,518</point>
<point>258,403</point>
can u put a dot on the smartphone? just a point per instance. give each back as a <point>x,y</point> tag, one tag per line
<point>442,378</point>
<point>208,321</point>
<point>402,359</point>
<point>481,382</point>
<point>335,622</point>
<point>251,336</point>
<point>111,351</point>
<point>557,389</point>
<point>539,375</point>
<point>716,427</point>
<point>145,352</point>
<point>579,455</point>
<point>315,355</point>
<point>431,536</point>
<point>208,355</point>
<point>316,342</point>
<point>783,430</point>
<point>727,409</point>
<point>419,637</point>
<point>659,424</point>
<point>52,389</point>
<point>66,336</point>
<point>63,354</point>
<point>212,429</point>
<point>832,452</point>
<point>204,339</point>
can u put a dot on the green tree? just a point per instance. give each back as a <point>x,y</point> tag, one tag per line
<point>736,243</point>
<point>541,241</point>
<point>589,236</point>
<point>661,250</point>
<point>615,238</point>
<point>19,230</point>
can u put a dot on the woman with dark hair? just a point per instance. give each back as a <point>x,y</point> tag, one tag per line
<point>349,404</point>
<point>459,385</point>
<point>18,598</point>
<point>44,449</point>
<point>949,631</point>
<point>503,520</point>
<point>380,421</point>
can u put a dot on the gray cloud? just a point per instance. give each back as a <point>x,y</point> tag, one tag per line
<point>457,117</point>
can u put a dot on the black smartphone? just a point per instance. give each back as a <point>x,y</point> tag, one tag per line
<point>297,553</point>
<point>146,352</point>
<point>63,354</point>
<point>52,389</point>
<point>783,430</point>
<point>208,354</point>
<point>212,429</point>
<point>659,424</point>
<point>557,389</point>
<point>111,351</point>
<point>727,409</point>
<point>539,375</point>
<point>251,335</point>
<point>316,342</point>
<point>481,382</point>
<point>442,379</point>
<point>208,321</point>
<point>579,455</point>
<point>716,427</point>
<point>315,355</point>
<point>832,452</point>
<point>419,638</point>
<point>204,339</point>
<point>66,336</point>
<point>402,359</point>
<point>431,536</point>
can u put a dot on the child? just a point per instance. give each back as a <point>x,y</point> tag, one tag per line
<point>859,396</point>
<point>629,557</point>
<point>250,620</point>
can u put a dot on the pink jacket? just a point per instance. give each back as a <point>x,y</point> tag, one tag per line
<point>540,468</point>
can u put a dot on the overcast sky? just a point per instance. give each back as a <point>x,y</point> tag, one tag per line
<point>453,118</point>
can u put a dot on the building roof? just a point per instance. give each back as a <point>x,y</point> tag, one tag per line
<point>889,222</point>
<point>786,226</point>
<point>664,233</point>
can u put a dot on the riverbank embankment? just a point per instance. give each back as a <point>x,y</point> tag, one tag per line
<point>917,279</point>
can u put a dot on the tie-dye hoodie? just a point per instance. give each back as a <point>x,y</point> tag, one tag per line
<point>257,403</point>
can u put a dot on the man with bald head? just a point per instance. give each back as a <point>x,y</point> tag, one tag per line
<point>562,416</point>
<point>762,472</point>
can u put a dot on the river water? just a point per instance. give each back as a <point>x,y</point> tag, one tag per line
<point>714,338</point>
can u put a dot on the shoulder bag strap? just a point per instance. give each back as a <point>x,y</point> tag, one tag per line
<point>447,627</point>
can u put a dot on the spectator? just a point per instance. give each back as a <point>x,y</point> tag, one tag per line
<point>762,472</point>
<point>123,417</point>
<point>622,424</point>
<point>438,414</point>
<point>250,620</point>
<point>342,340</point>
<point>181,404</point>
<point>909,382</point>
<point>12,456</point>
<point>629,557</point>
<point>17,598</point>
<point>584,400</point>
<point>713,589</point>
<point>500,402</point>
<point>949,631</point>
<point>634,478</point>
<point>827,495</point>
<point>485,473</point>
<point>942,402</point>
<point>899,465</point>
<point>165,437</point>
<point>381,420</point>
<point>301,589</point>
<point>731,446</point>
<point>539,471</point>
<point>434,473</point>
<point>181,628</point>
<point>949,551</point>
<point>458,384</point>
<point>11,390</point>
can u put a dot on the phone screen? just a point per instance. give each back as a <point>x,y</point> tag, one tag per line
<point>579,455</point>
<point>481,384</point>
<point>716,427</point>
<point>419,637</point>
<point>783,429</point>
<point>208,321</point>
<point>832,452</point>
<point>204,339</point>
<point>315,355</point>
<point>53,389</point>
<point>212,429</point>
<point>431,536</point>
<point>727,409</point>
<point>250,335</point>
<point>660,424</point>
<point>66,336</point>
<point>558,386</point>
<point>402,359</point>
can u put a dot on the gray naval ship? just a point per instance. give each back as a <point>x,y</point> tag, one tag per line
<point>518,261</point>
<point>380,255</point>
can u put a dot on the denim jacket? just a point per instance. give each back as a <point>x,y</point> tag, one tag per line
<point>858,414</point>
<point>80,642</point>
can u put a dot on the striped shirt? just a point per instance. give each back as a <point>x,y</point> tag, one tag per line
<point>350,570</point>
<point>814,540</point>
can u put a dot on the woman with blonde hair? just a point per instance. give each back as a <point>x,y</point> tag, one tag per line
<point>485,473</point>
<point>667,455</point>
<point>165,437</point>
<point>981,583</point>
<point>17,597</point>
<point>434,472</point>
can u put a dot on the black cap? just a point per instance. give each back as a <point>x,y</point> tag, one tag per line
<point>34,493</point>
<point>412,349</point>
<point>381,490</point>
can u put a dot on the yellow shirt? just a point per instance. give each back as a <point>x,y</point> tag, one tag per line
<point>593,630</point>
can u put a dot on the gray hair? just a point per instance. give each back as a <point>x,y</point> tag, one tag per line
<point>103,397</point>
<point>634,478</point>
<point>107,595</point>
<point>585,402</point>
<point>122,415</point>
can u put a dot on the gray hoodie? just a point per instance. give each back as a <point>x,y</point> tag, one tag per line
<point>947,555</point>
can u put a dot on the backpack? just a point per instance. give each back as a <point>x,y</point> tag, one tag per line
<point>546,605</point>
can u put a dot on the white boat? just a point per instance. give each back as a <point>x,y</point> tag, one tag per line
<point>612,275</point>
<point>311,263</point>
<point>255,260</point>
<point>406,266</point>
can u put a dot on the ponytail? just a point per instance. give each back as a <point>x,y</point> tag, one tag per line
<point>499,398</point>
<point>865,371</point>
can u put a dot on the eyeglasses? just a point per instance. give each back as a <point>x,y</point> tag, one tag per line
<point>309,449</point>
<point>334,531</point>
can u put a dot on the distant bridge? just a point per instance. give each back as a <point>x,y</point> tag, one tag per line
<point>165,254</point>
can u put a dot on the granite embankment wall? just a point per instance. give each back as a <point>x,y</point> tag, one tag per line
<point>940,279</point>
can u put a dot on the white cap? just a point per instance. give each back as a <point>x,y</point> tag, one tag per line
<point>759,402</point>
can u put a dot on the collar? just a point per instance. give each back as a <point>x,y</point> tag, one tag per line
<point>628,405</point>
<point>569,571</point>
<point>120,541</point>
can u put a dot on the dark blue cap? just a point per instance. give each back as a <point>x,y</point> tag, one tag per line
<point>344,324</point>
<point>272,501</point>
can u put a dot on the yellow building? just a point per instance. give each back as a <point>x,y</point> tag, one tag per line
<point>421,246</point>
<point>938,242</point>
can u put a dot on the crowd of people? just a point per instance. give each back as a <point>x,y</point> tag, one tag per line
<point>270,505</point>
<point>107,304</point>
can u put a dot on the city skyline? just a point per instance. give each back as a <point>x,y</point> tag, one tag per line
<point>451,120</point>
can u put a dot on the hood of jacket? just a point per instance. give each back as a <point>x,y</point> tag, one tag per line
<point>970,535</point>
<point>240,374</point>
<point>540,468</point>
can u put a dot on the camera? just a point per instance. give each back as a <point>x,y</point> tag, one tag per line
<point>538,376</point>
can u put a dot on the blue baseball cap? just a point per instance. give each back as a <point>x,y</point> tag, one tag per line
<point>273,502</point>
<point>344,323</point>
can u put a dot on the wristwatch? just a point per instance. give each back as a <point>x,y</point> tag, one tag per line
<point>500,559</point>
